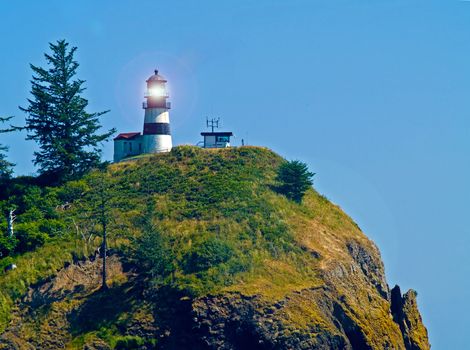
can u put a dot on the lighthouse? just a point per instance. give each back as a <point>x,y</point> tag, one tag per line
<point>156,134</point>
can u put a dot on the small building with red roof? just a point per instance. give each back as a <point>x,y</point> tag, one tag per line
<point>127,144</point>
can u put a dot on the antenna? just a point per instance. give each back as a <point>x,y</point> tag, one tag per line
<point>212,123</point>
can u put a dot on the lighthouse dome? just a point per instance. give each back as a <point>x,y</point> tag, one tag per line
<point>156,77</point>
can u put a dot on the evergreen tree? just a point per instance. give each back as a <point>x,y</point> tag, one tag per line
<point>294,179</point>
<point>153,253</point>
<point>5,165</point>
<point>68,136</point>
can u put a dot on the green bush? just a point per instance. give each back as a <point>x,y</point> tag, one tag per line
<point>129,342</point>
<point>154,255</point>
<point>7,245</point>
<point>53,227</point>
<point>29,236</point>
<point>184,152</point>
<point>206,254</point>
<point>71,191</point>
<point>5,262</point>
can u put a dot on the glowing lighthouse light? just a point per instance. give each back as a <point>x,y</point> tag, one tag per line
<point>157,91</point>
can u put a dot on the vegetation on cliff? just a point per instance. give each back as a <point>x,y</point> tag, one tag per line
<point>198,237</point>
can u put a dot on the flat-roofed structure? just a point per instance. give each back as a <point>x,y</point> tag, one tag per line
<point>216,139</point>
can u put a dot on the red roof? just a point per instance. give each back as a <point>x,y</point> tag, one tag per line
<point>127,136</point>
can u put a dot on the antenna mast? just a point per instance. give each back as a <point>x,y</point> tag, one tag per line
<point>212,123</point>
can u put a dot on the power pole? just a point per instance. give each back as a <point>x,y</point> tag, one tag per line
<point>11,220</point>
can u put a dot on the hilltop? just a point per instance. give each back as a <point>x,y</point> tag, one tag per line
<point>248,269</point>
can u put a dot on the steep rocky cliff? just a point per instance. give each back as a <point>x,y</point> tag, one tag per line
<point>300,276</point>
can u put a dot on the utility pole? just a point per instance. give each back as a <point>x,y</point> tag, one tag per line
<point>11,220</point>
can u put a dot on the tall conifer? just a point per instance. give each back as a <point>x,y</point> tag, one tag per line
<point>68,136</point>
<point>295,179</point>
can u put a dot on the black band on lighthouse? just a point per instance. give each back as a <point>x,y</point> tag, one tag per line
<point>157,129</point>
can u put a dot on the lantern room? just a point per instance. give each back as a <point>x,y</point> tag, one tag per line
<point>157,94</point>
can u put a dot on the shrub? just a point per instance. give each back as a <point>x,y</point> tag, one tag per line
<point>52,227</point>
<point>294,179</point>
<point>71,191</point>
<point>154,255</point>
<point>29,236</point>
<point>184,152</point>
<point>7,245</point>
<point>207,254</point>
<point>5,262</point>
<point>129,342</point>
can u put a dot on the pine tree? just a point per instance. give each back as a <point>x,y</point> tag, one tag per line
<point>153,252</point>
<point>294,179</point>
<point>5,166</point>
<point>68,136</point>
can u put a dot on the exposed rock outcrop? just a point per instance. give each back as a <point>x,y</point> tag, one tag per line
<point>405,312</point>
<point>353,310</point>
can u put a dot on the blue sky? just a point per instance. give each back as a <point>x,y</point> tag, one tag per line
<point>373,95</point>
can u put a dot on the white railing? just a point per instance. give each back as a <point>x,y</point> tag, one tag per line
<point>167,105</point>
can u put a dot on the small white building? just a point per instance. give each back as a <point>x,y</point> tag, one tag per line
<point>216,139</point>
<point>127,144</point>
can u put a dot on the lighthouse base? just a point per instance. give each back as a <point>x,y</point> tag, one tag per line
<point>157,143</point>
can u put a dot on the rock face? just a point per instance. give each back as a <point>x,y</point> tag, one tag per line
<point>238,322</point>
<point>389,321</point>
<point>52,311</point>
<point>325,317</point>
<point>405,312</point>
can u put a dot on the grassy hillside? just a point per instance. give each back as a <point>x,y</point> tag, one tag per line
<point>214,221</point>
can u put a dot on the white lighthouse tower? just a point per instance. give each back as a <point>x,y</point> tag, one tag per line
<point>156,135</point>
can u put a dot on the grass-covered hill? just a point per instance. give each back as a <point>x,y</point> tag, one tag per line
<point>205,253</point>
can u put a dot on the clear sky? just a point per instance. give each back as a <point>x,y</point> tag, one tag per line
<point>373,94</point>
